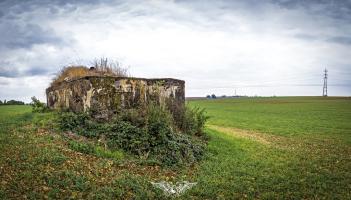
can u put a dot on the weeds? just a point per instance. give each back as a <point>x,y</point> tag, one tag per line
<point>192,120</point>
<point>88,148</point>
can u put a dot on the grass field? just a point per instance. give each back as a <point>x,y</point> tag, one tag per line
<point>263,148</point>
<point>297,147</point>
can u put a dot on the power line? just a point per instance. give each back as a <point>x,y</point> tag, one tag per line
<point>325,85</point>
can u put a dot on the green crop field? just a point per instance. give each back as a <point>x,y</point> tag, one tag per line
<point>259,148</point>
<point>286,148</point>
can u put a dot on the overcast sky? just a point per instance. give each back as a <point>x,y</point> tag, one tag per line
<point>256,47</point>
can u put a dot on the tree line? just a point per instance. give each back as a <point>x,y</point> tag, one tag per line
<point>11,102</point>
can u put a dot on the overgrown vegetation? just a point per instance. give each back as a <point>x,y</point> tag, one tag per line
<point>191,120</point>
<point>100,67</point>
<point>149,132</point>
<point>35,163</point>
<point>38,106</point>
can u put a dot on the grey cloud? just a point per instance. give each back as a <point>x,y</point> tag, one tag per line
<point>344,40</point>
<point>4,83</point>
<point>340,40</point>
<point>26,35</point>
<point>20,6</point>
<point>6,71</point>
<point>35,71</point>
<point>339,9</point>
<point>10,70</point>
<point>303,36</point>
<point>18,30</point>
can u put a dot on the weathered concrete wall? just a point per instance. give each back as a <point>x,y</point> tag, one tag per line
<point>104,96</point>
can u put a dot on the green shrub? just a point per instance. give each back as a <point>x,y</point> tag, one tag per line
<point>192,121</point>
<point>38,106</point>
<point>124,135</point>
<point>149,132</point>
<point>73,121</point>
<point>180,150</point>
<point>159,125</point>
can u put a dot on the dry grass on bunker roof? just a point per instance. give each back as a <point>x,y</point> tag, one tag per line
<point>99,67</point>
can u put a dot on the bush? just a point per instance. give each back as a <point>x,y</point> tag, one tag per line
<point>149,132</point>
<point>192,120</point>
<point>180,150</point>
<point>38,106</point>
<point>124,135</point>
<point>73,121</point>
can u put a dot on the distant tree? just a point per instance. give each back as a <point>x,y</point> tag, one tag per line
<point>224,96</point>
<point>14,102</point>
<point>0,102</point>
<point>5,101</point>
<point>208,96</point>
<point>213,96</point>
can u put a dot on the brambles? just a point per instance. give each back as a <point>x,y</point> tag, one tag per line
<point>149,132</point>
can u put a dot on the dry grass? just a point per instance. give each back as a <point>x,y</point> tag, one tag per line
<point>104,67</point>
<point>241,133</point>
<point>100,67</point>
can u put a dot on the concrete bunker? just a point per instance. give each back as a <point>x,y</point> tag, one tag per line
<point>105,95</point>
